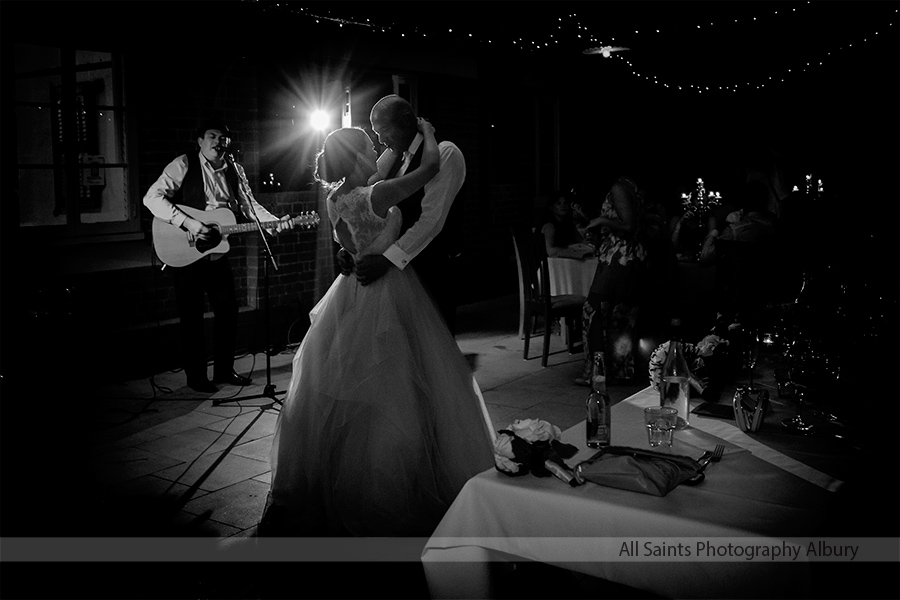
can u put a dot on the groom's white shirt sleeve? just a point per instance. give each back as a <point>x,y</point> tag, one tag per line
<point>439,195</point>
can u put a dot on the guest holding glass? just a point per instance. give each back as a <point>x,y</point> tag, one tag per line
<point>611,310</point>
<point>561,236</point>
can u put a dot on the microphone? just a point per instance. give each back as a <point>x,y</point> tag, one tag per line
<point>225,148</point>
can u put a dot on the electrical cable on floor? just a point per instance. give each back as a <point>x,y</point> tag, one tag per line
<point>240,389</point>
<point>186,496</point>
<point>289,347</point>
<point>154,386</point>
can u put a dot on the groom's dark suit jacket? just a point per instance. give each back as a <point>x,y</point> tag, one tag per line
<point>434,264</point>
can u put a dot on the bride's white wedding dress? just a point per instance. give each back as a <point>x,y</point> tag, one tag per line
<point>381,425</point>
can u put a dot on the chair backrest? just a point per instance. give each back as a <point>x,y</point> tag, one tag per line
<point>531,258</point>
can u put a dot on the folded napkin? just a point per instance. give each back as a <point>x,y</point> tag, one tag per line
<point>637,470</point>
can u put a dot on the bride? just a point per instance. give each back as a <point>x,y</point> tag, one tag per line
<point>382,423</point>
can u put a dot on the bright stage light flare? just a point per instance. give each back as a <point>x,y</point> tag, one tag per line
<point>319,120</point>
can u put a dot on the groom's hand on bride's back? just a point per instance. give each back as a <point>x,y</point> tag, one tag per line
<point>371,268</point>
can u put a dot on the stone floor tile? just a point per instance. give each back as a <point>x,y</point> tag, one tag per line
<point>215,471</point>
<point>130,441</point>
<point>240,505</point>
<point>126,463</point>
<point>265,478</point>
<point>192,525</point>
<point>184,422</point>
<point>249,426</point>
<point>190,444</point>
<point>257,449</point>
<point>501,416</point>
<point>153,488</point>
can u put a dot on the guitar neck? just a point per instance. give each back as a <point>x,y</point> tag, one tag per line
<point>245,227</point>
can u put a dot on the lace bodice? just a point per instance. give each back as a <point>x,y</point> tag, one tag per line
<point>369,233</point>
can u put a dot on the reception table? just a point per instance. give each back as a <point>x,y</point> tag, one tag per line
<point>754,494</point>
<point>571,275</point>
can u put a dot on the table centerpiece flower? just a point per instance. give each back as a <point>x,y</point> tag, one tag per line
<point>524,446</point>
<point>712,361</point>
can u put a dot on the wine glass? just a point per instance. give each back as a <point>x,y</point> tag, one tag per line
<point>750,349</point>
<point>801,371</point>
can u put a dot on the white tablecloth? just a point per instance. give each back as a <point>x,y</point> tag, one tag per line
<point>753,493</point>
<point>571,276</point>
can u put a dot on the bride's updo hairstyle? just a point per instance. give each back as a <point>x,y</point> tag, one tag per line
<point>337,158</point>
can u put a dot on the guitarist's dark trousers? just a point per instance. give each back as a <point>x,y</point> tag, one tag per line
<point>214,278</point>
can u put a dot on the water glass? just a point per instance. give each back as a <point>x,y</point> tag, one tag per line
<point>660,422</point>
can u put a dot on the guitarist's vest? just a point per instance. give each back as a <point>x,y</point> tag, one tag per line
<point>192,192</point>
<point>445,244</point>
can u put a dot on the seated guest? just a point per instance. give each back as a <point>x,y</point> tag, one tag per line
<point>686,228</point>
<point>751,223</point>
<point>562,238</point>
<point>745,254</point>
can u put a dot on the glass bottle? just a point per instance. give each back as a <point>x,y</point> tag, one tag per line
<point>597,425</point>
<point>676,377</point>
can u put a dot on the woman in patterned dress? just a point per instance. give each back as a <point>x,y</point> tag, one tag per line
<point>611,310</point>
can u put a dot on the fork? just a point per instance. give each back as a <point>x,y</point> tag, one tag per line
<point>707,458</point>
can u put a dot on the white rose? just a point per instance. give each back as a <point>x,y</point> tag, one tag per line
<point>503,454</point>
<point>503,446</point>
<point>708,344</point>
<point>535,430</point>
<point>504,464</point>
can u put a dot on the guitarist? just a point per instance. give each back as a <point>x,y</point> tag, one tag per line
<point>206,181</point>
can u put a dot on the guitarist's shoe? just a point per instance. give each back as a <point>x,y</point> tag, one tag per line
<point>202,385</point>
<point>232,379</point>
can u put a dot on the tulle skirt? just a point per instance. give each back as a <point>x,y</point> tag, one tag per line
<point>382,424</point>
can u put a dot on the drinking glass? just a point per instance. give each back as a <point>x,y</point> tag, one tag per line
<point>802,370</point>
<point>660,422</point>
<point>751,346</point>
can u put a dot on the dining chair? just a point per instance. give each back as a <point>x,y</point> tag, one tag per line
<point>534,293</point>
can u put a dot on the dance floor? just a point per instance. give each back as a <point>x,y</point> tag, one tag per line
<point>151,458</point>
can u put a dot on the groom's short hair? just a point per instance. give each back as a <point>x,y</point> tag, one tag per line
<point>399,111</point>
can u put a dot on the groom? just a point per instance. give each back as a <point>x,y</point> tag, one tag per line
<point>428,236</point>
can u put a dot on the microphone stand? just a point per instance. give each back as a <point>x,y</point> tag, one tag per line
<point>269,389</point>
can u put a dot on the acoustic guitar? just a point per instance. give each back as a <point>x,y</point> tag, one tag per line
<point>179,248</point>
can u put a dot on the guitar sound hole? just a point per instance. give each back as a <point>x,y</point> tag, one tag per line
<point>214,239</point>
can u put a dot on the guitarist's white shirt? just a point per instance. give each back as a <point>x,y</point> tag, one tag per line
<point>157,198</point>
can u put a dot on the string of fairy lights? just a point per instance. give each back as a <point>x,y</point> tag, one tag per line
<point>570,31</point>
<point>773,79</point>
